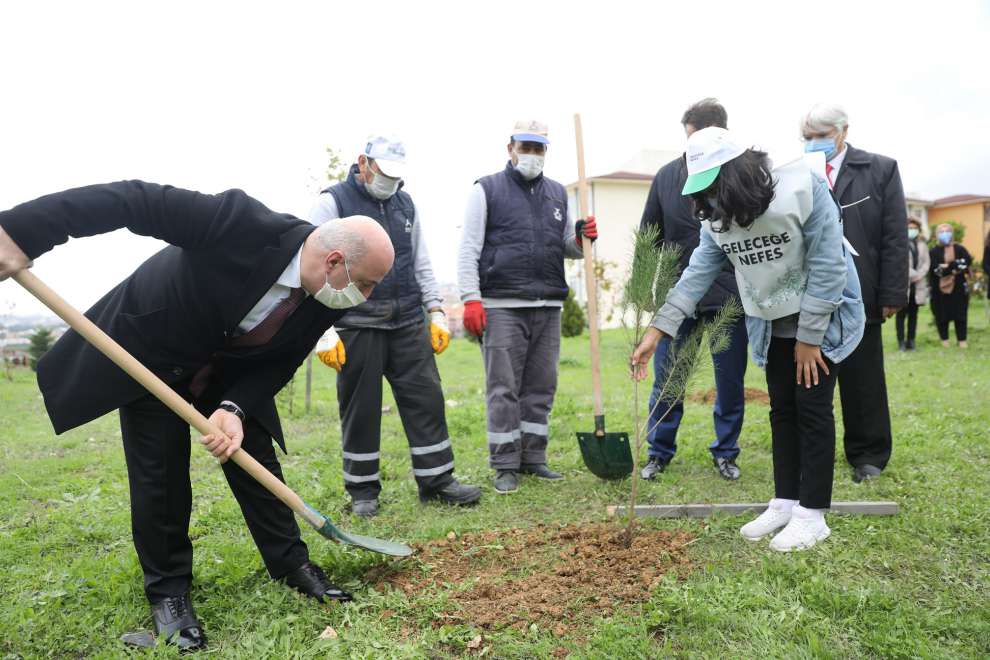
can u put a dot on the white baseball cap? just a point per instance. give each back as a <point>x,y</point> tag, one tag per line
<point>390,154</point>
<point>707,150</point>
<point>530,130</point>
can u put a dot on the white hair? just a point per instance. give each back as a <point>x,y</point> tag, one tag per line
<point>341,235</point>
<point>823,118</point>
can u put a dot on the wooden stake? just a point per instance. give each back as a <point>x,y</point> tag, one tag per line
<point>705,510</point>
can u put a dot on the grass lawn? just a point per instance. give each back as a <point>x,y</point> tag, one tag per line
<point>915,585</point>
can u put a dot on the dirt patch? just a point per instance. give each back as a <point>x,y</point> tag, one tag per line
<point>556,577</point>
<point>753,395</point>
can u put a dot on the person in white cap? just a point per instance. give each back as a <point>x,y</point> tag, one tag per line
<point>781,230</point>
<point>388,336</point>
<point>518,229</point>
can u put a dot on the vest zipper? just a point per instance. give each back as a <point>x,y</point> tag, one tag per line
<point>395,280</point>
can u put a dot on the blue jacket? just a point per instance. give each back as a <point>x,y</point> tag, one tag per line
<point>832,314</point>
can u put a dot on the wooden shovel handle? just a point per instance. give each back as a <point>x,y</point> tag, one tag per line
<point>591,284</point>
<point>103,343</point>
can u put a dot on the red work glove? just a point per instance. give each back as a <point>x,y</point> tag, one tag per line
<point>585,228</point>
<point>474,317</point>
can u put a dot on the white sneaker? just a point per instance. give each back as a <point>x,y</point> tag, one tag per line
<point>806,528</point>
<point>777,515</point>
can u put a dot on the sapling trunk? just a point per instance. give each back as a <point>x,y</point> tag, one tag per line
<point>655,270</point>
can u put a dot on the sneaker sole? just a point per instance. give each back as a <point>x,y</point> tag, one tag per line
<point>760,538</point>
<point>506,492</point>
<point>798,548</point>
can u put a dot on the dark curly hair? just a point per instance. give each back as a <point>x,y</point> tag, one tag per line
<point>740,194</point>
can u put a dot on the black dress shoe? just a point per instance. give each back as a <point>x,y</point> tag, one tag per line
<point>540,470</point>
<point>909,345</point>
<point>309,579</point>
<point>454,493</point>
<point>176,623</point>
<point>866,472</point>
<point>653,467</point>
<point>727,468</point>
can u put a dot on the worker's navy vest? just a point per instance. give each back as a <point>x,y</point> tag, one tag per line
<point>523,255</point>
<point>397,301</point>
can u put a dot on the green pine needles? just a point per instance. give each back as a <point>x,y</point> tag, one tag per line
<point>655,270</point>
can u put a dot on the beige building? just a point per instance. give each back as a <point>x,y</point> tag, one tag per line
<point>616,200</point>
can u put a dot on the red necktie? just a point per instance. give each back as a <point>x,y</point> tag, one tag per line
<point>828,173</point>
<point>271,324</point>
<point>258,335</point>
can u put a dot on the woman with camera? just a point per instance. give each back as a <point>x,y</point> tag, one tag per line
<point>950,293</point>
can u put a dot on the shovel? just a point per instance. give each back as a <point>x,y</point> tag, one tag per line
<point>607,455</point>
<point>103,343</point>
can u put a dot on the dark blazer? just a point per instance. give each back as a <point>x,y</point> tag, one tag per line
<point>178,310</point>
<point>670,212</point>
<point>876,228</point>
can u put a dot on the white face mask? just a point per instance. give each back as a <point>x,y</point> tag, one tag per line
<point>381,186</point>
<point>529,165</point>
<point>349,296</point>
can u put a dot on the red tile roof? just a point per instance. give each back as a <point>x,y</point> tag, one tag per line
<point>960,199</point>
<point>634,176</point>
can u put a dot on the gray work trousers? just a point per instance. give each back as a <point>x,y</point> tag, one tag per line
<point>521,349</point>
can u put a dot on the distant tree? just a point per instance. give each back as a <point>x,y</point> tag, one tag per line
<point>337,167</point>
<point>572,319</point>
<point>41,341</point>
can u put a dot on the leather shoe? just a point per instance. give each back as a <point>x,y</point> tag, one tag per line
<point>310,580</point>
<point>540,470</point>
<point>866,472</point>
<point>653,467</point>
<point>364,508</point>
<point>454,493</point>
<point>727,468</point>
<point>176,623</point>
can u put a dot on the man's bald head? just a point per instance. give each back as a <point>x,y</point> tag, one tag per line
<point>356,245</point>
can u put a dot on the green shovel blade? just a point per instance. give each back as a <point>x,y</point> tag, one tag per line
<point>331,531</point>
<point>607,456</point>
<point>392,548</point>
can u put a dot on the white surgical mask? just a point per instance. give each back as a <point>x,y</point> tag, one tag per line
<point>529,165</point>
<point>381,186</point>
<point>349,296</point>
<point>912,233</point>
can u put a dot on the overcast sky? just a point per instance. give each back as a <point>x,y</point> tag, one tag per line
<point>211,95</point>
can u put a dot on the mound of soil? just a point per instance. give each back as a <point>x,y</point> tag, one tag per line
<point>753,395</point>
<point>554,576</point>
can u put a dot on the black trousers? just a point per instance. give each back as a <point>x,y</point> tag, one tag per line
<point>865,413</point>
<point>803,429</point>
<point>909,312</point>
<point>157,449</point>
<point>405,358</point>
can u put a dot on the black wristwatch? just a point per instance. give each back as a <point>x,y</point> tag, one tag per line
<point>232,407</point>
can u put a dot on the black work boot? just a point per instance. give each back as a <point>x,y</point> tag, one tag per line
<point>506,481</point>
<point>540,470</point>
<point>454,493</point>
